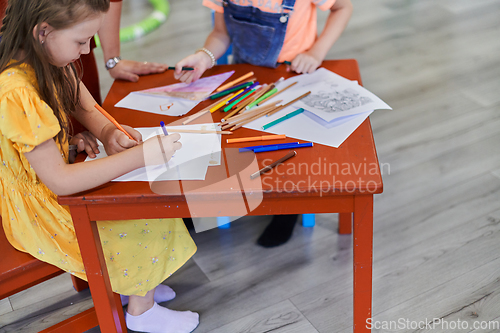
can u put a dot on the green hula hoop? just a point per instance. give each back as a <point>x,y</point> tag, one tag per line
<point>150,23</point>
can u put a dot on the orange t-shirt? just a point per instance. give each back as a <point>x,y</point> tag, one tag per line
<point>302,29</point>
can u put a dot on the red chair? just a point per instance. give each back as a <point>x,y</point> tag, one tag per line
<point>19,271</point>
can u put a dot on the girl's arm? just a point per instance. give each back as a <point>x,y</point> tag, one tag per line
<point>337,20</point>
<point>217,42</point>
<point>65,179</point>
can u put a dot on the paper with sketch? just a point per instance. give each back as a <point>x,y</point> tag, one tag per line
<point>173,100</point>
<point>332,96</point>
<point>188,163</point>
<point>157,104</point>
<point>304,128</point>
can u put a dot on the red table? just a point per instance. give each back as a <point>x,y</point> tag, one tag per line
<point>221,193</point>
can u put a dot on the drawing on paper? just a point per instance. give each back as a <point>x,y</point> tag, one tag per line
<point>333,99</point>
<point>195,91</point>
<point>166,107</point>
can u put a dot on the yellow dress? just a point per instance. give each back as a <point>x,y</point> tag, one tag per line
<point>140,254</point>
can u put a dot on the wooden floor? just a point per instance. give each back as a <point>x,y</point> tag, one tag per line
<point>437,224</point>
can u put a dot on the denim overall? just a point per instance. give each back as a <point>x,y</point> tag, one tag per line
<point>257,37</point>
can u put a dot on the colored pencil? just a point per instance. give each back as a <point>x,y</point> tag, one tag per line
<point>230,106</point>
<point>232,83</point>
<point>252,148</point>
<point>247,89</point>
<point>274,164</point>
<point>201,112</point>
<point>195,116</point>
<point>162,125</point>
<point>280,147</point>
<point>233,121</point>
<point>285,117</point>
<point>279,92</point>
<point>230,90</point>
<point>281,107</point>
<point>183,68</point>
<point>198,131</point>
<point>269,93</point>
<point>250,119</point>
<point>222,102</point>
<point>240,106</point>
<point>111,119</point>
<point>251,113</point>
<point>258,138</point>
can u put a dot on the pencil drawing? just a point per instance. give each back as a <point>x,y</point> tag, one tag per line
<point>333,100</point>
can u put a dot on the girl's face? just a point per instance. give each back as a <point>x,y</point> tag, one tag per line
<point>66,45</point>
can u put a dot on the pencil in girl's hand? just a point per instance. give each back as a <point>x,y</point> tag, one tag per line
<point>232,83</point>
<point>111,119</point>
<point>162,124</point>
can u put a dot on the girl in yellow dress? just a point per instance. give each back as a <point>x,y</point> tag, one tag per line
<point>39,87</point>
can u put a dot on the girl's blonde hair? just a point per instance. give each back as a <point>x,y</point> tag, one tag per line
<point>58,87</point>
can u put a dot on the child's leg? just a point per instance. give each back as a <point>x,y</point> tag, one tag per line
<point>162,294</point>
<point>145,315</point>
<point>278,231</point>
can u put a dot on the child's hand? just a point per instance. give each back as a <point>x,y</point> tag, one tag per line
<point>130,70</point>
<point>159,149</point>
<point>305,63</point>
<point>115,141</point>
<point>200,61</point>
<point>84,141</point>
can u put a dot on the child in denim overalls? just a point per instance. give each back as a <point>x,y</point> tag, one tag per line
<point>267,33</point>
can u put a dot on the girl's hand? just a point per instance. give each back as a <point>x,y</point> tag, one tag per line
<point>200,61</point>
<point>115,141</point>
<point>84,141</point>
<point>159,149</point>
<point>130,70</point>
<point>305,63</point>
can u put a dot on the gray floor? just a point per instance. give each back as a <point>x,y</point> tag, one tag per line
<point>436,241</point>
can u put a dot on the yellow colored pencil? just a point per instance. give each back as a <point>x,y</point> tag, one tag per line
<point>223,102</point>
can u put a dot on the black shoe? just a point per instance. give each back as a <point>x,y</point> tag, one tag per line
<point>278,231</point>
<point>189,223</point>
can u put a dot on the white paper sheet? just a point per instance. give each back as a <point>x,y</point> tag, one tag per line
<point>152,101</point>
<point>332,96</point>
<point>304,128</point>
<point>167,106</point>
<point>188,163</point>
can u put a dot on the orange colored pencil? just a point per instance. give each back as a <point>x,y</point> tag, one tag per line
<point>258,138</point>
<point>111,119</point>
<point>232,83</point>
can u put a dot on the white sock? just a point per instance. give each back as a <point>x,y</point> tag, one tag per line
<point>162,320</point>
<point>163,293</point>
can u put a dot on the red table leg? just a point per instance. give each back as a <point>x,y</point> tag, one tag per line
<point>345,223</point>
<point>107,304</point>
<point>363,251</point>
